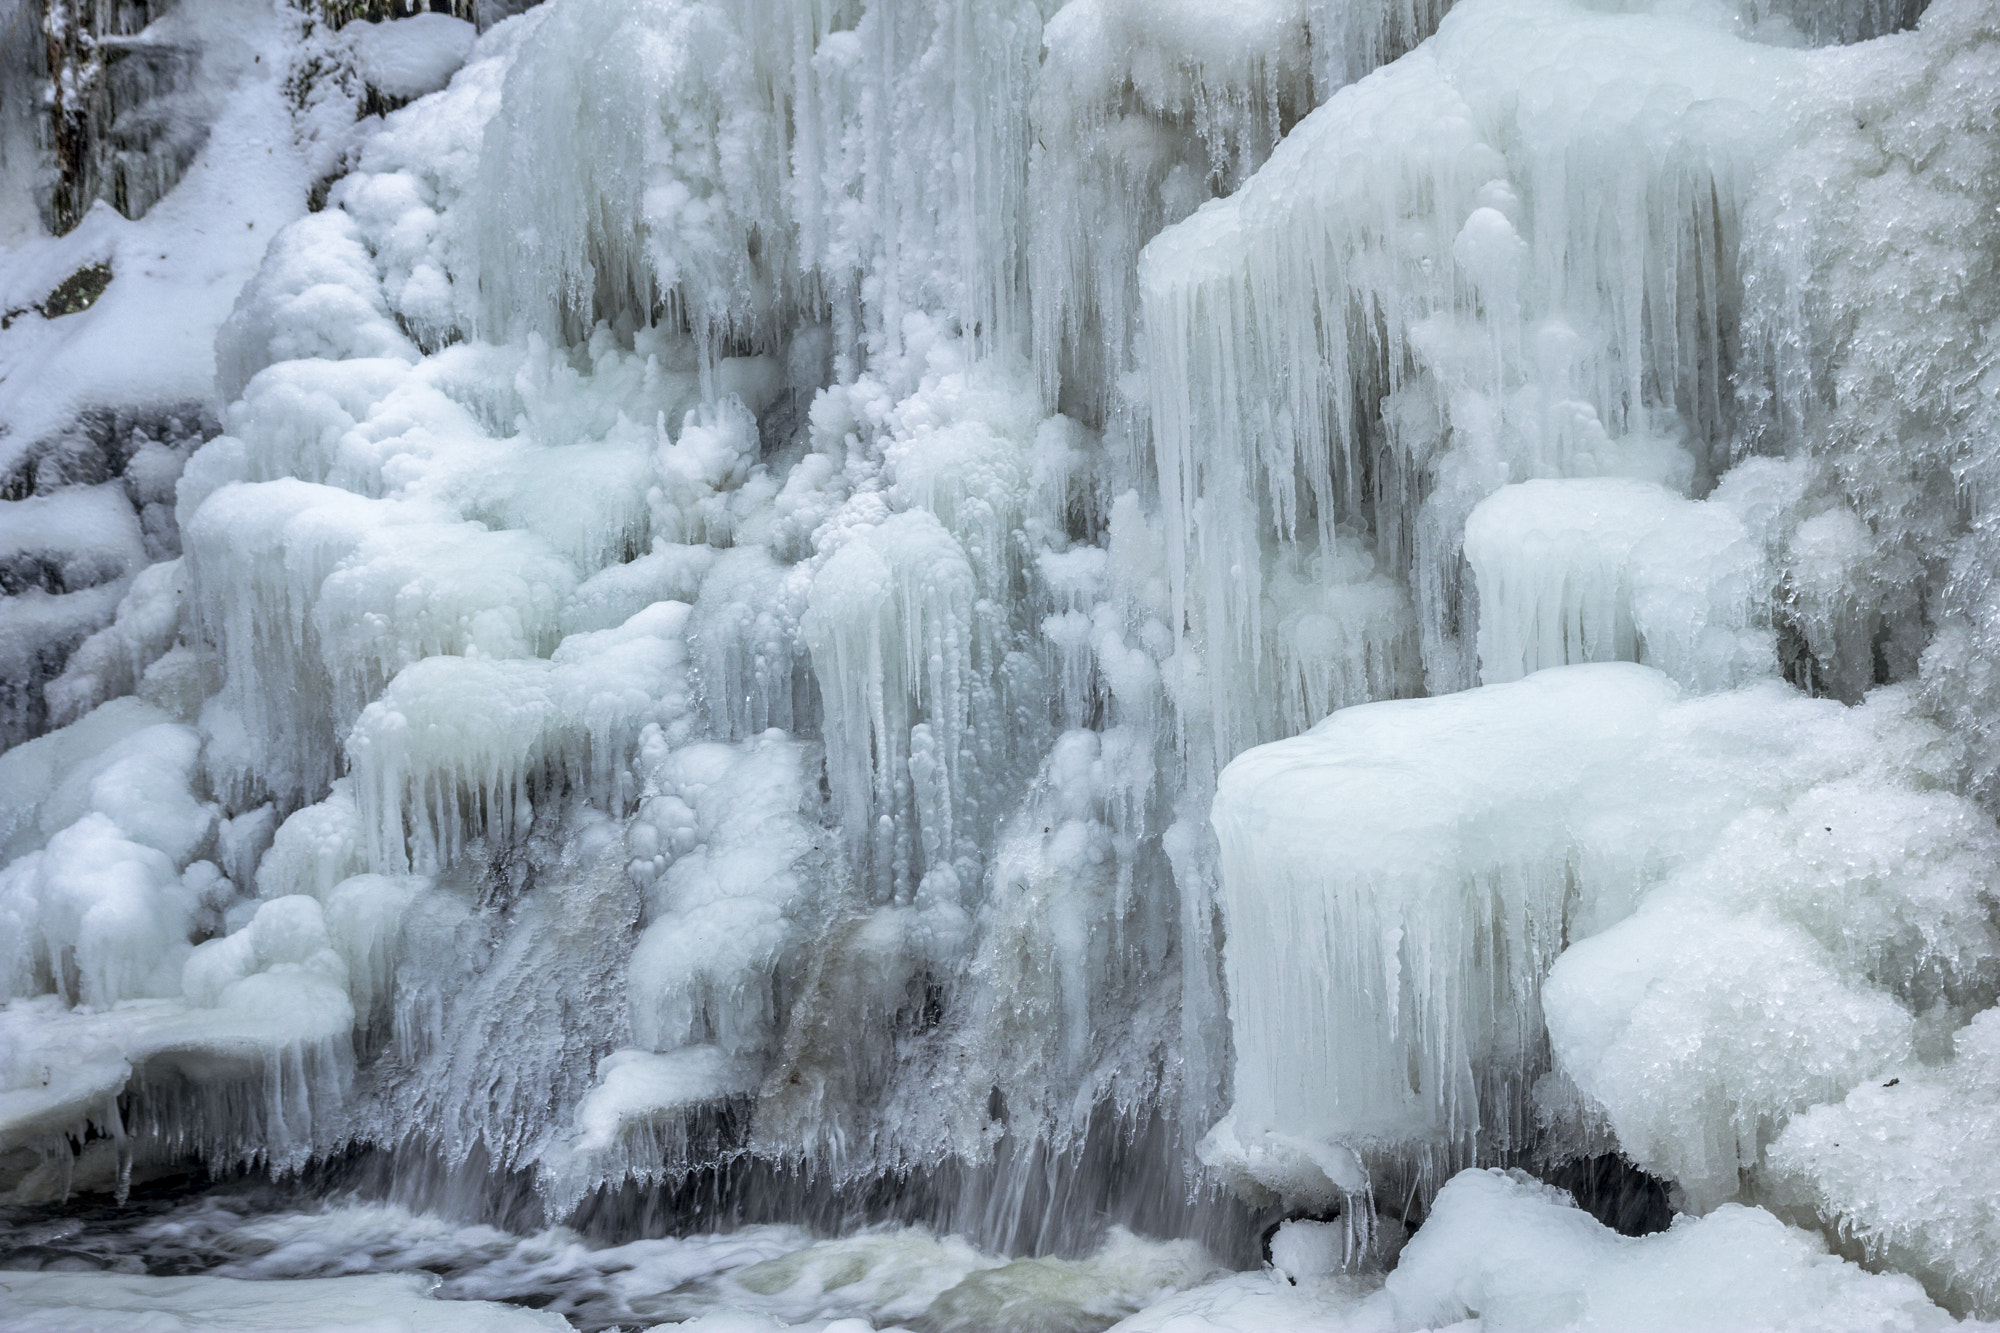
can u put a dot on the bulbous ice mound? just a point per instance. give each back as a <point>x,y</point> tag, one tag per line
<point>1507,915</point>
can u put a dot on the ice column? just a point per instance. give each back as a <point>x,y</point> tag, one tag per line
<point>891,627</point>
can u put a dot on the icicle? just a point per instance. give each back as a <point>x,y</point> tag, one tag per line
<point>890,625</point>
<point>1379,304</point>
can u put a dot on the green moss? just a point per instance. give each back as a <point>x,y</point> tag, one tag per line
<point>79,291</point>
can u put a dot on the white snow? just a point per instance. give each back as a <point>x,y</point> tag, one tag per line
<point>1509,1252</point>
<point>408,57</point>
<point>1900,1165</point>
<point>1500,1250</point>
<point>1815,945</point>
<point>148,343</point>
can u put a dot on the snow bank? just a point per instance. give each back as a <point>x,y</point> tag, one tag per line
<point>174,271</point>
<point>1502,1250</point>
<point>1510,1252</point>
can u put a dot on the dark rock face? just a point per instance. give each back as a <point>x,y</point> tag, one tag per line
<point>54,595</point>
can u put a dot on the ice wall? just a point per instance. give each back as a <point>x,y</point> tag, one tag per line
<point>1142,112</point>
<point>731,541</point>
<point>1848,923</point>
<point>476,605</point>
<point>746,168</point>
<point>1434,288</point>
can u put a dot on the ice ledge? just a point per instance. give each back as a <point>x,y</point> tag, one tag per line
<point>1398,882</point>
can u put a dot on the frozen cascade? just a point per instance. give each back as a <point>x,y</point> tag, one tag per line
<point>1142,112</point>
<point>890,626</point>
<point>1394,252</point>
<point>1812,915</point>
<point>961,653</point>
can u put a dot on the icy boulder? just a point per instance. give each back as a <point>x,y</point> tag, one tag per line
<point>1500,1250</point>
<point>1394,883</point>
<point>1903,1167</point>
<point>100,908</point>
<point>238,1047</point>
<point>283,962</point>
<point>408,57</point>
<point>110,920</point>
<point>44,783</point>
<point>1810,950</point>
<point>1509,1252</point>
<point>1398,882</point>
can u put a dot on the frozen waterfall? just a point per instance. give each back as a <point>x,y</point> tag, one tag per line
<point>1000,664</point>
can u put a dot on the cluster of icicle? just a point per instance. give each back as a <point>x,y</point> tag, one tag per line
<point>746,531</point>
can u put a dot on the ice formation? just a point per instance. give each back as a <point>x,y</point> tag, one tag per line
<point>1035,623</point>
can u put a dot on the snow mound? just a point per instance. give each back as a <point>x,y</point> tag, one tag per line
<point>405,58</point>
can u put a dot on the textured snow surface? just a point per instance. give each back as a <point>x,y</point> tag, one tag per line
<point>1033,635</point>
<point>408,57</point>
